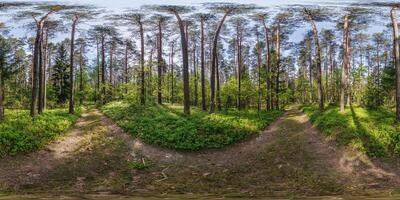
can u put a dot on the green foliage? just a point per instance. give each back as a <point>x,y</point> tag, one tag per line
<point>371,131</point>
<point>60,76</point>
<point>142,164</point>
<point>167,126</point>
<point>19,133</point>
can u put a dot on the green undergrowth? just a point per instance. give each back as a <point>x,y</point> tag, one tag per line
<point>371,131</point>
<point>19,133</point>
<point>167,126</point>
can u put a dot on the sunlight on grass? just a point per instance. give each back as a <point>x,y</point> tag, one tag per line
<point>370,131</point>
<point>19,133</point>
<point>167,126</point>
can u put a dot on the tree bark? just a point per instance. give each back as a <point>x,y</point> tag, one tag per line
<point>343,85</point>
<point>213,61</point>
<point>185,62</point>
<point>195,72</point>
<point>258,72</point>
<point>71,69</point>
<point>103,69</point>
<point>126,67</point>
<point>81,61</point>
<point>1,98</point>
<point>41,73</point>
<point>268,65</point>
<point>202,70</point>
<point>159,63</point>
<point>278,62</point>
<point>36,66</point>
<point>142,80</point>
<point>318,62</point>
<point>396,52</point>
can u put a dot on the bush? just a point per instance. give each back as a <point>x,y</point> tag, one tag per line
<point>19,133</point>
<point>167,126</point>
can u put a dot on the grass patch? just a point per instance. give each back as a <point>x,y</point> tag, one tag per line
<point>167,126</point>
<point>371,131</point>
<point>140,164</point>
<point>19,133</point>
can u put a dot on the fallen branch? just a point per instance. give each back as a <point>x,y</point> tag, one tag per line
<point>163,174</point>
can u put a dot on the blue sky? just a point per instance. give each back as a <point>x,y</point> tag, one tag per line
<point>118,5</point>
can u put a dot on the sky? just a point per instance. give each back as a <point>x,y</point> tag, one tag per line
<point>119,5</point>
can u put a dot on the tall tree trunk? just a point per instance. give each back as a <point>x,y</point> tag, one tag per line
<point>71,69</point>
<point>159,63</point>
<point>97,89</point>
<point>81,61</point>
<point>343,85</point>
<point>172,75</point>
<point>111,67</point>
<point>195,72</point>
<point>213,61</point>
<point>202,70</point>
<point>268,65</point>
<point>126,68</point>
<point>219,108</point>
<point>258,48</point>
<point>103,69</point>
<point>310,68</point>
<point>318,62</point>
<point>142,80</point>
<point>41,72</point>
<point>36,68</point>
<point>45,67</point>
<point>396,52</point>
<point>278,63</point>
<point>1,98</point>
<point>185,62</point>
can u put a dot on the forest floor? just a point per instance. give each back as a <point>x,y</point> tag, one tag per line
<point>290,158</point>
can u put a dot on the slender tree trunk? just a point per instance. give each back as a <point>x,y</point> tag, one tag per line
<point>310,68</point>
<point>195,72</point>
<point>278,62</point>
<point>318,62</point>
<point>41,73</point>
<point>213,61</point>
<point>159,63</point>
<point>219,108</point>
<point>111,67</point>
<point>239,66</point>
<point>142,80</point>
<point>268,65</point>
<point>45,67</point>
<point>36,68</point>
<point>172,75</point>
<point>103,69</point>
<point>202,70</point>
<point>258,48</point>
<point>71,69</point>
<point>185,62</point>
<point>343,84</point>
<point>126,68</point>
<point>81,61</point>
<point>1,98</point>
<point>396,52</point>
<point>97,89</point>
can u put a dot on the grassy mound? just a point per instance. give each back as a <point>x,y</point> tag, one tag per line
<point>167,126</point>
<point>371,131</point>
<point>19,133</point>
